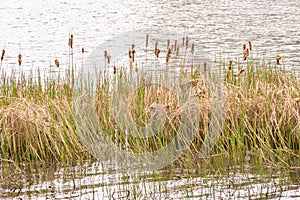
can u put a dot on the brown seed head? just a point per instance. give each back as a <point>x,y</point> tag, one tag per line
<point>205,66</point>
<point>129,54</point>
<point>187,39</point>
<point>230,64</point>
<point>147,39</point>
<point>105,54</point>
<point>56,62</point>
<point>250,45</point>
<point>82,50</point>
<point>157,51</point>
<point>278,58</point>
<point>239,72</point>
<point>20,59</point>
<point>2,56</point>
<point>246,54</point>
<point>193,48</point>
<point>244,46</point>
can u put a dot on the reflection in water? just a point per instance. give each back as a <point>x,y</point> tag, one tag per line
<point>104,181</point>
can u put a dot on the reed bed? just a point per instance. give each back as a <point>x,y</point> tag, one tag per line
<point>262,114</point>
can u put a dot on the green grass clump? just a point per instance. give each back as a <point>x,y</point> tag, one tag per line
<point>37,122</point>
<point>262,116</point>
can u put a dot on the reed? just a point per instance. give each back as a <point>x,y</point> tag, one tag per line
<point>262,114</point>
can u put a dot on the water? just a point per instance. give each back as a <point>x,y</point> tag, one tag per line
<point>39,29</point>
<point>105,181</point>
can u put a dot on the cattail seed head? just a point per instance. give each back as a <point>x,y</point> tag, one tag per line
<point>105,54</point>
<point>168,56</point>
<point>250,46</point>
<point>246,54</point>
<point>205,66</point>
<point>193,48</point>
<point>3,53</point>
<point>183,39</point>
<point>239,72</point>
<point>187,39</point>
<point>82,50</point>
<point>147,40</point>
<point>115,69</point>
<point>70,43</point>
<point>244,46</point>
<point>20,59</point>
<point>136,67</point>
<point>175,45</point>
<point>157,51</point>
<point>133,52</point>
<point>278,58</point>
<point>56,62</point>
<point>129,54</point>
<point>230,65</point>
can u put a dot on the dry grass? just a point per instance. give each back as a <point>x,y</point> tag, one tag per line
<point>262,116</point>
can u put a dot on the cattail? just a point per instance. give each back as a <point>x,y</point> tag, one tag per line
<point>239,72</point>
<point>108,58</point>
<point>147,40</point>
<point>70,43</point>
<point>177,51</point>
<point>157,51</point>
<point>168,56</point>
<point>20,59</point>
<point>278,58</point>
<point>244,46</point>
<point>250,46</point>
<point>82,50</point>
<point>193,48</point>
<point>230,64</point>
<point>105,54</point>
<point>2,56</point>
<point>133,52</point>
<point>175,45</point>
<point>187,42</point>
<point>205,66</point>
<point>136,67</point>
<point>129,54</point>
<point>115,69</point>
<point>246,53</point>
<point>56,62</point>
<point>183,39</point>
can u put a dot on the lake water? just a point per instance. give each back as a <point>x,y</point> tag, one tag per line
<point>103,181</point>
<point>39,30</point>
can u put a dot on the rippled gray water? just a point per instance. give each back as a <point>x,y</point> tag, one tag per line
<point>103,181</point>
<point>39,29</point>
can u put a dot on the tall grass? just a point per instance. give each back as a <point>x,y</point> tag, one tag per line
<point>262,115</point>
